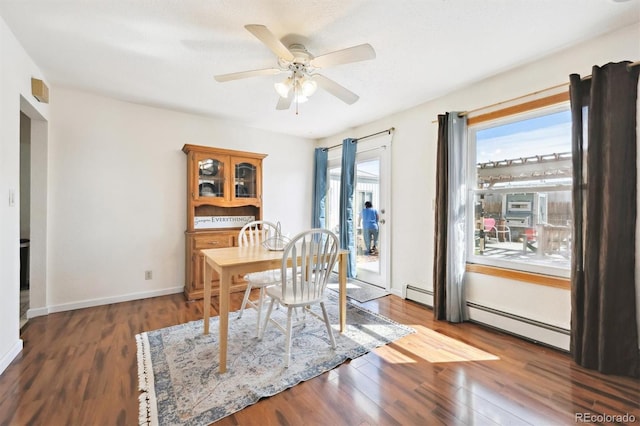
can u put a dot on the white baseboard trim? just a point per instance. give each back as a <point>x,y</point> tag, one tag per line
<point>37,312</point>
<point>395,292</point>
<point>10,356</point>
<point>115,299</point>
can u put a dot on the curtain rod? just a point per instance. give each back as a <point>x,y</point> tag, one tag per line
<point>389,130</point>
<point>587,77</point>
<point>463,113</point>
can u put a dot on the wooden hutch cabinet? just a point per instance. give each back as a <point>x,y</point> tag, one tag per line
<point>224,191</point>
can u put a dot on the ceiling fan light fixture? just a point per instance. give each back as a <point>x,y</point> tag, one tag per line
<point>308,87</point>
<point>283,87</point>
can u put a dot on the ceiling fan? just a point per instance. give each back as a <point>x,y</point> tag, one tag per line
<point>300,66</point>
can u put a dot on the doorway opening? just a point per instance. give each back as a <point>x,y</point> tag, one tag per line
<point>25,213</point>
<point>367,242</point>
<point>33,139</point>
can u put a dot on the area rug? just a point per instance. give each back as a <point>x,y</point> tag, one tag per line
<point>357,290</point>
<point>178,366</point>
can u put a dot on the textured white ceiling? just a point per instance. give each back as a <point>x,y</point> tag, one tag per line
<point>165,52</point>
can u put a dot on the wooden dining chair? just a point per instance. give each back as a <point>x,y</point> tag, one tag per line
<point>307,262</point>
<point>254,233</point>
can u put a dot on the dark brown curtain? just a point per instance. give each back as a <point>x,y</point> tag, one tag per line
<point>442,201</point>
<point>604,332</point>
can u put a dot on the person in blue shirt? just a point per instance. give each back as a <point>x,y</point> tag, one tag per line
<point>370,228</point>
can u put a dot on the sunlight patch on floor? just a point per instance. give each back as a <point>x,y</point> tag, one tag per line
<point>433,347</point>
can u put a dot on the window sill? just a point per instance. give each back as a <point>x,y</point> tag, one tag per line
<point>528,277</point>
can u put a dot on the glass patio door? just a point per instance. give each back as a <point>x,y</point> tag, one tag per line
<point>372,184</point>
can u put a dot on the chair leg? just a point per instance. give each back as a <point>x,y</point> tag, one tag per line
<point>328,324</point>
<point>260,303</point>
<point>287,352</point>
<point>244,300</point>
<point>266,319</point>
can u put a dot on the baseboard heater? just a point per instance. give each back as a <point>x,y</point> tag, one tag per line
<point>419,295</point>
<point>527,328</point>
<point>519,318</point>
<point>522,327</point>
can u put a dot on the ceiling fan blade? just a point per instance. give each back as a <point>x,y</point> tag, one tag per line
<point>284,103</point>
<point>271,41</point>
<point>246,74</point>
<point>335,89</point>
<point>362,52</point>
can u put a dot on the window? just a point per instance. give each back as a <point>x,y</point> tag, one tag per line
<point>521,191</point>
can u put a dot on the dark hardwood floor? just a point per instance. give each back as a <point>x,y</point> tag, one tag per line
<point>79,368</point>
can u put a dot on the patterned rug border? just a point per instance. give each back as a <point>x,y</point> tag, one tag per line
<point>148,400</point>
<point>148,407</point>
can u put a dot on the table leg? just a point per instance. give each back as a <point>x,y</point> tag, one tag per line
<point>342,290</point>
<point>225,284</point>
<point>206,276</point>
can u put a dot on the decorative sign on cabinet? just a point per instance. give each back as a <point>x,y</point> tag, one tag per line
<point>224,191</point>
<point>207,222</point>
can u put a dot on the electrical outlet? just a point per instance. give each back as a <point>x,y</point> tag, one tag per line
<point>148,275</point>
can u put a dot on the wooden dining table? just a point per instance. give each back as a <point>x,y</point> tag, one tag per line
<point>232,261</point>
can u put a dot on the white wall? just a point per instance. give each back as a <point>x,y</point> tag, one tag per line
<point>16,70</point>
<point>117,191</point>
<point>413,172</point>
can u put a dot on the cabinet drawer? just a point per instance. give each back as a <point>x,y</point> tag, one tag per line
<point>212,241</point>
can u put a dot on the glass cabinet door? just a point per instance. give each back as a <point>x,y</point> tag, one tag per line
<point>245,178</point>
<point>210,177</point>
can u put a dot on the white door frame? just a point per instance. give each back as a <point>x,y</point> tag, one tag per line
<point>378,147</point>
